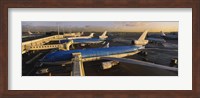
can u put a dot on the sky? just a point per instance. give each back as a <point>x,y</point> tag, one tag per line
<point>100,26</point>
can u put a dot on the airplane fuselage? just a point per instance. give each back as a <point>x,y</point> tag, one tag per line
<point>32,35</point>
<point>158,40</point>
<point>170,37</point>
<point>60,57</point>
<point>80,37</point>
<point>84,41</point>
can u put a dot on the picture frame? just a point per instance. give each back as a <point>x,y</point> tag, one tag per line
<point>6,4</point>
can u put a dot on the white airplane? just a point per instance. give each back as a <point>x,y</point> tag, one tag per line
<point>32,35</point>
<point>101,38</point>
<point>82,37</point>
<point>169,36</point>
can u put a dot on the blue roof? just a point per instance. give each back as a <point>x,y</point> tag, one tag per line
<point>62,55</point>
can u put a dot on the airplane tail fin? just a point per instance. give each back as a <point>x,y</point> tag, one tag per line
<point>29,32</point>
<point>162,33</point>
<point>91,35</point>
<point>82,33</point>
<point>103,36</point>
<point>107,45</point>
<point>143,36</point>
<point>141,40</point>
<point>104,33</point>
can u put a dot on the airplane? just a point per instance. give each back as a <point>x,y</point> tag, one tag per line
<point>83,41</point>
<point>115,53</point>
<point>169,36</point>
<point>32,35</point>
<point>156,40</point>
<point>81,37</point>
<point>101,39</point>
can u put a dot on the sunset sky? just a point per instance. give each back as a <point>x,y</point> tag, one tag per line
<point>99,26</point>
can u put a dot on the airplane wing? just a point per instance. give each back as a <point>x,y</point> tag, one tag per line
<point>138,62</point>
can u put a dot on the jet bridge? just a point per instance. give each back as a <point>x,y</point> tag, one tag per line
<point>64,46</point>
<point>78,69</point>
<point>26,46</point>
<point>38,44</point>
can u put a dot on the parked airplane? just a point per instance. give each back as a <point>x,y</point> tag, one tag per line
<point>169,36</point>
<point>32,35</point>
<point>101,38</point>
<point>112,53</point>
<point>83,41</point>
<point>156,40</point>
<point>82,37</point>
